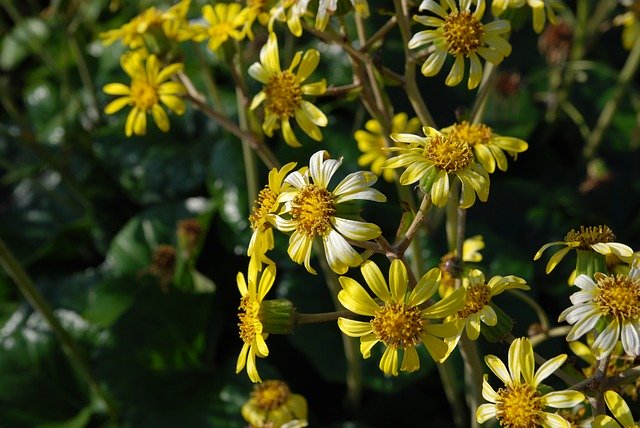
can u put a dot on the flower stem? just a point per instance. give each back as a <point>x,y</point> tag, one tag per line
<point>410,84</point>
<point>542,315</point>
<point>610,108</point>
<point>69,345</point>
<point>351,347</point>
<point>473,372</point>
<point>320,318</point>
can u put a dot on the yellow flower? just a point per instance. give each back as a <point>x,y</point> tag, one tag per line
<point>272,405</point>
<point>149,88</point>
<point>434,160</point>
<point>400,323</point>
<point>611,300</point>
<point>460,33</point>
<point>488,146</point>
<point>373,144</point>
<point>326,8</point>
<point>312,211</point>
<point>152,21</point>
<point>256,10</point>
<point>541,9</point>
<point>477,303</point>
<point>283,91</point>
<point>519,403</point>
<point>292,12</point>
<point>262,218</point>
<point>450,267</point>
<point>631,22</point>
<point>251,331</point>
<point>620,409</point>
<point>592,238</point>
<point>224,21</point>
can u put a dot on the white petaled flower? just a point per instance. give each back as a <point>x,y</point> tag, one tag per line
<point>614,299</point>
<point>313,211</point>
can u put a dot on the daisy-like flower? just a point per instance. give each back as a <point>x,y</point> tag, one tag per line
<point>326,8</point>
<point>593,238</point>
<point>541,9</point>
<point>519,403</point>
<point>225,20</point>
<point>621,411</point>
<point>373,143</point>
<point>312,211</point>
<point>263,216</point>
<point>272,404</point>
<point>450,266</point>
<point>251,328</point>
<point>459,32</point>
<point>283,91</point>
<point>399,323</point>
<point>614,299</point>
<point>434,160</point>
<point>149,88</point>
<point>477,303</point>
<point>488,146</point>
<point>291,12</point>
<point>630,20</point>
<point>169,23</point>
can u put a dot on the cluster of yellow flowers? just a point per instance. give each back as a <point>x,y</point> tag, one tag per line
<point>450,302</point>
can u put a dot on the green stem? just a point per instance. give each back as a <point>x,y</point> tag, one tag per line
<point>351,347</point>
<point>320,318</point>
<point>561,331</point>
<point>542,316</point>
<point>610,108</point>
<point>473,372</point>
<point>250,167</point>
<point>486,86</point>
<point>410,84</point>
<point>449,378</point>
<point>40,305</point>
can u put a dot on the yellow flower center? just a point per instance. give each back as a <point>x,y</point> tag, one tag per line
<point>477,297</point>
<point>283,94</point>
<point>264,205</point>
<point>312,209</point>
<point>271,394</point>
<point>470,134</point>
<point>463,33</point>
<point>519,406</point>
<point>143,95</point>
<point>398,325</point>
<point>449,154</point>
<point>618,296</point>
<point>250,325</point>
<point>587,236</point>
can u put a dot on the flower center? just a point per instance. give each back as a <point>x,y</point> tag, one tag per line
<point>143,95</point>
<point>264,205</point>
<point>477,297</point>
<point>283,94</point>
<point>398,325</point>
<point>271,394</point>
<point>312,209</point>
<point>587,236</point>
<point>470,134</point>
<point>463,33</point>
<point>518,406</point>
<point>618,296</point>
<point>250,325</point>
<point>449,154</point>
